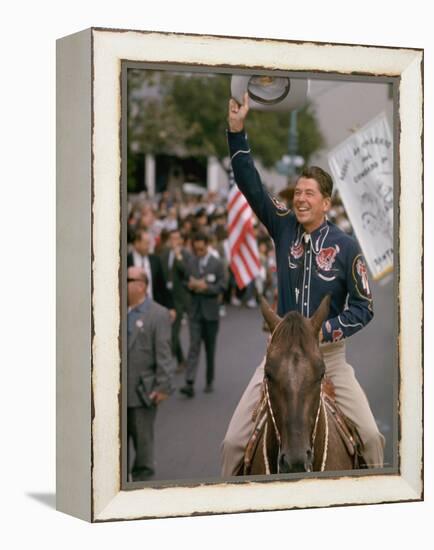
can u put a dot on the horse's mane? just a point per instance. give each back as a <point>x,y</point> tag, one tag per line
<point>293,330</point>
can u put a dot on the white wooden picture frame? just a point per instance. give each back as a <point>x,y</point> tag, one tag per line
<point>89,195</point>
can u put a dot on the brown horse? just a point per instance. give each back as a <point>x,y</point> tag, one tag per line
<point>298,428</point>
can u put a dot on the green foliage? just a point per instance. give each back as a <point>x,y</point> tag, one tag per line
<point>268,134</point>
<point>202,100</point>
<point>185,114</point>
<point>310,138</point>
<point>155,123</point>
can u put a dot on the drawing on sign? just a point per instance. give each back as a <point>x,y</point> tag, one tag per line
<point>377,204</point>
<point>362,169</point>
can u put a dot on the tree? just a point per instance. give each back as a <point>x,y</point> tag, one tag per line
<point>268,134</point>
<point>185,113</point>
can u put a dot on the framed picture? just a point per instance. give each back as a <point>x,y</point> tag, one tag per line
<point>133,110</point>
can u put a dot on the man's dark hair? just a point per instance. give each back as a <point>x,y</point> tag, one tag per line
<point>323,179</point>
<point>221,233</point>
<point>201,212</point>
<point>138,234</point>
<point>200,236</point>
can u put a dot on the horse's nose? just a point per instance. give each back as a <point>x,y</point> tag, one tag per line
<point>288,464</point>
<point>284,465</point>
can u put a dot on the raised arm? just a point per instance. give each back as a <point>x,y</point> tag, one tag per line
<point>269,211</point>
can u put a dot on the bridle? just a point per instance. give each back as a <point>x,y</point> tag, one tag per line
<point>321,406</point>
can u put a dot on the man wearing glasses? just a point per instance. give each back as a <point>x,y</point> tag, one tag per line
<point>149,369</point>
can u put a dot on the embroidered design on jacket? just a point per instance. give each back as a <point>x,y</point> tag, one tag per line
<point>363,274</point>
<point>297,250</point>
<point>360,276</point>
<point>324,278</point>
<point>282,209</point>
<point>337,335</point>
<point>326,257</point>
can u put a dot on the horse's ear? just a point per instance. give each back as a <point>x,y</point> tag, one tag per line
<point>321,314</point>
<point>271,318</point>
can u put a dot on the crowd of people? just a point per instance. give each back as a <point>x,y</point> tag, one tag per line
<point>170,221</point>
<point>166,215</point>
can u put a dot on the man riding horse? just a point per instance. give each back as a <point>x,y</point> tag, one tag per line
<point>314,258</point>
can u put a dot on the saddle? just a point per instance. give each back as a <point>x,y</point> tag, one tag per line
<point>259,418</point>
<point>345,428</point>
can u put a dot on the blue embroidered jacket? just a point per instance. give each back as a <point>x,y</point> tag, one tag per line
<point>308,265</point>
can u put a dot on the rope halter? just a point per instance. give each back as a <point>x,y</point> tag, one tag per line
<point>321,406</point>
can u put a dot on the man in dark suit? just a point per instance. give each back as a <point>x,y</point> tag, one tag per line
<point>206,283</point>
<point>149,369</point>
<point>175,260</point>
<point>151,264</point>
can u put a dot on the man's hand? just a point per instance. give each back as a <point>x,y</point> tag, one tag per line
<point>192,283</point>
<point>237,114</point>
<point>172,315</point>
<point>201,284</point>
<point>177,251</point>
<point>157,397</point>
<point>197,285</point>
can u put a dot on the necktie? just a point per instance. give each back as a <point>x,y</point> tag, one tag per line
<point>147,269</point>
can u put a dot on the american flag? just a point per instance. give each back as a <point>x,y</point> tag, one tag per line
<point>243,248</point>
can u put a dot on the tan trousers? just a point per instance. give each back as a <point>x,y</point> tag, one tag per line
<point>350,398</point>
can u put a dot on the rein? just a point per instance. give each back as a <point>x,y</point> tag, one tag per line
<point>321,406</point>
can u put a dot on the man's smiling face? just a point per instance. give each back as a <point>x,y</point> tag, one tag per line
<point>310,206</point>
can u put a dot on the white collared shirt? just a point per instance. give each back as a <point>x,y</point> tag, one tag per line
<point>203,261</point>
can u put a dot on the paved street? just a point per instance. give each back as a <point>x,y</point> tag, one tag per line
<point>189,431</point>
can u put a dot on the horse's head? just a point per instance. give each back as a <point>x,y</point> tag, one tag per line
<point>294,369</point>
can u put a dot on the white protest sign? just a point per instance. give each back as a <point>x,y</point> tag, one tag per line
<point>362,169</point>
